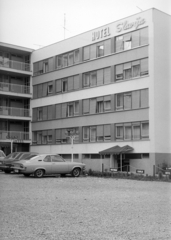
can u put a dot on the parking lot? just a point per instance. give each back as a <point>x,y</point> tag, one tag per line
<point>84,208</point>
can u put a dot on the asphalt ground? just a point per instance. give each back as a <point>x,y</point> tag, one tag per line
<point>84,208</point>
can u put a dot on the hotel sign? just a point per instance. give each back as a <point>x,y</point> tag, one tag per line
<point>104,32</point>
<point>126,25</point>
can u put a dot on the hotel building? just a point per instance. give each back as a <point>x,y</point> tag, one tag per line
<point>103,97</point>
<point>15,95</point>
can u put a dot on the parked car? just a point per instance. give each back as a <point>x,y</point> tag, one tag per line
<point>6,163</point>
<point>48,164</point>
<point>2,155</point>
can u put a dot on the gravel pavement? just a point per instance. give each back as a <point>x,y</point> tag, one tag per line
<point>84,208</point>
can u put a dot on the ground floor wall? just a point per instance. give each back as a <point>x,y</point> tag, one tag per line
<point>7,148</point>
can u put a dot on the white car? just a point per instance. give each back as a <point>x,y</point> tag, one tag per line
<point>48,164</point>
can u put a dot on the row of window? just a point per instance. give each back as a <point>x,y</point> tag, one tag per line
<point>94,78</point>
<point>99,133</point>
<point>110,103</point>
<point>96,50</point>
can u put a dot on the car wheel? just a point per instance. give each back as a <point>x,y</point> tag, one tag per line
<point>76,172</point>
<point>26,174</point>
<point>7,171</point>
<point>39,173</point>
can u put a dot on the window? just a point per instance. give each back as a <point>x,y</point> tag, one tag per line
<point>49,136</point>
<point>40,114</point>
<point>107,132</point>
<point>45,67</point>
<point>65,60</point>
<point>76,56</point>
<point>56,158</point>
<point>86,80</point>
<point>100,106</point>
<point>47,159</point>
<point>39,137</point>
<point>64,85</point>
<point>100,50</point>
<point>70,58</point>
<point>145,129</point>
<point>119,132</point>
<point>92,134</point>
<point>131,69</point>
<point>44,137</point>
<point>135,131</point>
<point>50,89</point>
<point>85,134</point>
<point>93,80</point>
<point>107,103</point>
<point>131,40</point>
<point>100,136</point>
<point>59,61</point>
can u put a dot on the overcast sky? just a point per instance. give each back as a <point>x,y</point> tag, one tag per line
<point>37,23</point>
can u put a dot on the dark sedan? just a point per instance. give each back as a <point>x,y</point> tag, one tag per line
<point>6,163</point>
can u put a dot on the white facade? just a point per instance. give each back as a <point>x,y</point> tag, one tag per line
<point>155,147</point>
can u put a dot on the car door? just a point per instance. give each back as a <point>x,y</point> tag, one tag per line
<point>58,164</point>
<point>46,164</point>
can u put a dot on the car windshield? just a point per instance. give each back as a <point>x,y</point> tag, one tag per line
<point>12,155</point>
<point>2,154</point>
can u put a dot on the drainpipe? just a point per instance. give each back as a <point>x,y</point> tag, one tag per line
<point>121,161</point>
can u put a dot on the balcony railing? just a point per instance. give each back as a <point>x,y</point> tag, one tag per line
<point>8,87</point>
<point>14,136</point>
<point>15,65</point>
<point>11,111</point>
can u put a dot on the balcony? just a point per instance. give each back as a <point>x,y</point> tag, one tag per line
<point>15,136</point>
<point>11,111</point>
<point>8,87</point>
<point>15,65</point>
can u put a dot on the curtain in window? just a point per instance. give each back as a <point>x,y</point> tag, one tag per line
<point>107,47</point>
<point>58,111</point>
<point>76,108</point>
<point>34,114</point>
<point>93,51</point>
<point>39,137</point>
<point>136,131</point>
<point>144,98</point>
<point>93,78</point>
<point>85,133</point>
<point>135,39</point>
<point>144,66</point>
<point>44,90</point>
<point>107,103</point>
<point>58,135</point>
<point>119,43</point>
<point>35,90</point>
<point>59,61</point>
<point>136,68</point>
<point>70,109</point>
<point>127,101</point>
<point>40,88</point>
<point>119,101</point>
<point>58,85</point>
<point>86,55</point>
<point>144,36</point>
<point>64,110</point>
<point>50,63</point>
<point>50,112</point>
<point>135,99</point>
<point>45,113</point>
<point>65,60</point>
<point>127,41</point>
<point>119,132</point>
<point>100,131</point>
<point>127,70</point>
<point>76,56</point>
<point>86,79</point>
<point>107,131</point>
<point>145,129</point>
<point>70,58</point>
<point>100,77</point>
<point>76,82</point>
<point>92,105</point>
<point>107,75</point>
<point>119,72</point>
<point>92,134</point>
<point>70,83</point>
<point>86,106</point>
<point>40,67</point>
<point>127,133</point>
<point>44,137</point>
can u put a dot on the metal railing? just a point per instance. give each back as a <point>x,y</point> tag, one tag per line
<point>15,65</point>
<point>9,87</point>
<point>11,111</point>
<point>14,136</point>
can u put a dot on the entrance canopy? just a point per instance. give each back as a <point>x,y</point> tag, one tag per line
<point>116,150</point>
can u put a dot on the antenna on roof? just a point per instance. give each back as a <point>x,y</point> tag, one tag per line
<point>139,8</point>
